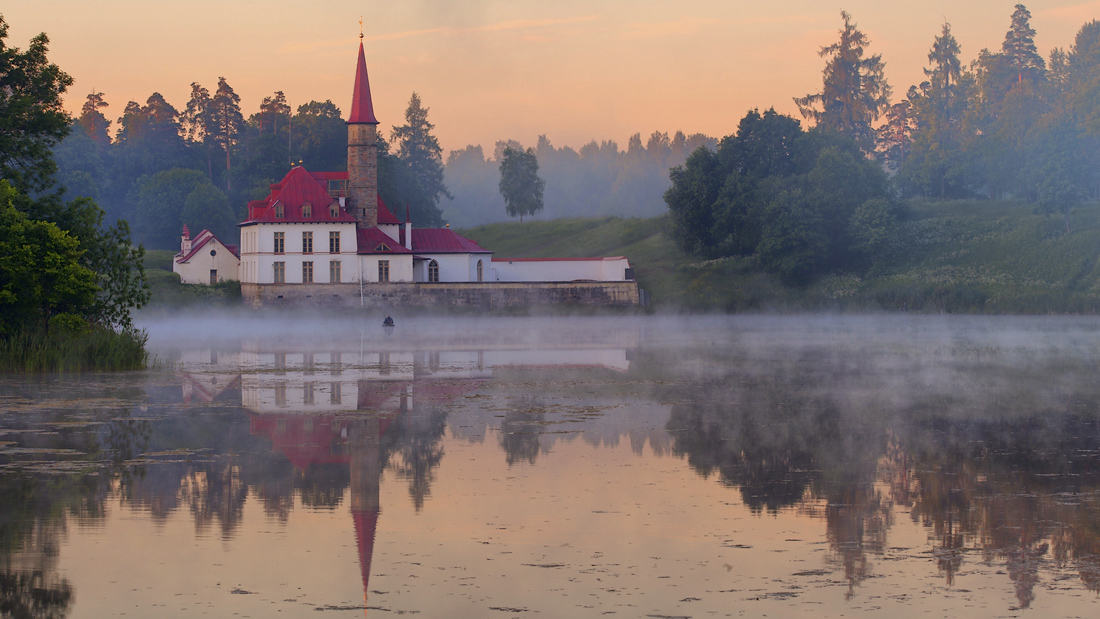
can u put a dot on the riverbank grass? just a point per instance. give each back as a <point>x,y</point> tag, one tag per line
<point>73,350</point>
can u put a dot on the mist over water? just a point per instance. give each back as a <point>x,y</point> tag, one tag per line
<point>474,466</point>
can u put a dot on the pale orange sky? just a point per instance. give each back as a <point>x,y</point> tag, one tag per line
<point>497,69</point>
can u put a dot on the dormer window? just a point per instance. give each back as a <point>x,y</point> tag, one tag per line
<point>382,247</point>
<point>334,209</point>
<point>307,210</point>
<point>279,214</point>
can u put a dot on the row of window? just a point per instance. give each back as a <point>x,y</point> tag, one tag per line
<point>334,271</point>
<point>307,210</point>
<point>307,242</point>
<point>307,272</point>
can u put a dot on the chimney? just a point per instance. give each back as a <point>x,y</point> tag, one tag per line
<point>185,241</point>
<point>408,229</point>
<point>362,200</point>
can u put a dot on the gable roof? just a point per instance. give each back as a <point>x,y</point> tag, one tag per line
<point>444,241</point>
<point>200,241</point>
<point>297,188</point>
<point>370,239</point>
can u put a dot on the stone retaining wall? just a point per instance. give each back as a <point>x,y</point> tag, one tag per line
<point>485,295</point>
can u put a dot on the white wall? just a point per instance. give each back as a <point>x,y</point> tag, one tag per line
<point>401,267</point>
<point>596,269</point>
<point>197,269</point>
<point>258,257</point>
<point>454,267</point>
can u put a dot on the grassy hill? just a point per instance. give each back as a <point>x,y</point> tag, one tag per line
<point>962,256</point>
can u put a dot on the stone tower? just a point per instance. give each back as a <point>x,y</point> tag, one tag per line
<point>362,201</point>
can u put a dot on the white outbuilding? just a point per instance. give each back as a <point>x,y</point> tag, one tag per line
<point>206,260</point>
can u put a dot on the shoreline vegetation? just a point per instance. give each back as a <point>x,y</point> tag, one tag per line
<point>961,256</point>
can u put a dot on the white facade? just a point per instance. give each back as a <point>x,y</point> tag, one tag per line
<point>258,257</point>
<point>453,267</point>
<point>213,262</point>
<point>400,267</point>
<point>561,270</point>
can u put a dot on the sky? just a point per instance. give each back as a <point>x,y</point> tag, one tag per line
<point>510,69</point>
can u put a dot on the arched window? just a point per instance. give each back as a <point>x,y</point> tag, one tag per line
<point>479,271</point>
<point>433,271</point>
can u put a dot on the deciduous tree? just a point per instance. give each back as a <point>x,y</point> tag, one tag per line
<point>520,185</point>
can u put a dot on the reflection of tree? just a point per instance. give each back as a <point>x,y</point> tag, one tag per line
<point>413,445</point>
<point>519,432</point>
<point>215,493</point>
<point>34,594</point>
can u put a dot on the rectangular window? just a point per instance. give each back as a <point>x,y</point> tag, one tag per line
<point>307,242</point>
<point>334,271</point>
<point>280,272</point>
<point>280,242</point>
<point>334,393</point>
<point>307,393</point>
<point>213,276</point>
<point>383,270</point>
<point>307,272</point>
<point>333,242</point>
<point>280,394</point>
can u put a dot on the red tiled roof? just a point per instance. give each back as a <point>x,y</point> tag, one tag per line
<point>296,188</point>
<point>369,239</point>
<point>384,214</point>
<point>329,176</point>
<point>362,109</point>
<point>444,241</point>
<point>201,240</point>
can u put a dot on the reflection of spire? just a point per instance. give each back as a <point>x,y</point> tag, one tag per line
<point>364,451</point>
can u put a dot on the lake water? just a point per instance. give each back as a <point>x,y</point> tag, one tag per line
<point>902,466</point>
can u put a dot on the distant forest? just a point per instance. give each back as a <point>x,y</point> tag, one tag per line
<point>1010,124</point>
<point>160,167</point>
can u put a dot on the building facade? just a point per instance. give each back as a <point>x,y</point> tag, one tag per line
<point>324,234</point>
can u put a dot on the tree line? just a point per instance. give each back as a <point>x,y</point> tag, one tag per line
<point>160,167</point>
<point>597,180</point>
<point>1008,125</point>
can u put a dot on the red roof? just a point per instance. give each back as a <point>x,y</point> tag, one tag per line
<point>384,214</point>
<point>201,240</point>
<point>362,109</point>
<point>370,241</point>
<point>444,241</point>
<point>296,188</point>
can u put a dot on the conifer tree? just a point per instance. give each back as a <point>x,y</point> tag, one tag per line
<point>226,122</point>
<point>419,151</point>
<point>1019,47</point>
<point>855,92</point>
<point>94,123</point>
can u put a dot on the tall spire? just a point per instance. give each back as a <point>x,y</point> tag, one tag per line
<point>362,108</point>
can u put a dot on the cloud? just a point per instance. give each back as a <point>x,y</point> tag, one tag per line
<point>505,26</point>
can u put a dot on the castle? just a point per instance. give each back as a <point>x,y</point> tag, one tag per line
<point>328,237</point>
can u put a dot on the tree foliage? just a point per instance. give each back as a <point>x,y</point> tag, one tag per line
<point>520,185</point>
<point>32,120</point>
<point>418,151</point>
<point>786,197</point>
<point>854,93</point>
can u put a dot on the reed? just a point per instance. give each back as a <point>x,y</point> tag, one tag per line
<point>94,349</point>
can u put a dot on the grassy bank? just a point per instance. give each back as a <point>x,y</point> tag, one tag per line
<point>166,291</point>
<point>67,351</point>
<point>962,256</point>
